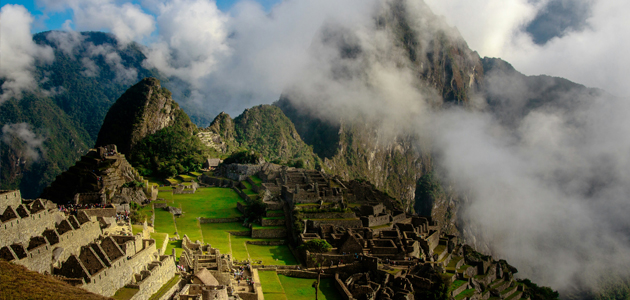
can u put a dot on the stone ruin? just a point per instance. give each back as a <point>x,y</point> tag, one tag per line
<point>35,234</point>
<point>379,251</point>
<point>99,177</point>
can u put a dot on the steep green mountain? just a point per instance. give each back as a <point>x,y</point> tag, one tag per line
<point>142,110</point>
<point>264,129</point>
<point>82,83</point>
<point>153,131</point>
<point>26,164</point>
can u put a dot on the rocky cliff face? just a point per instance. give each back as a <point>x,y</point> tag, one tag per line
<point>141,111</point>
<point>440,63</point>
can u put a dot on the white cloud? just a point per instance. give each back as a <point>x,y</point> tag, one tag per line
<point>127,21</point>
<point>28,141</point>
<point>192,38</point>
<point>593,56</point>
<point>18,52</point>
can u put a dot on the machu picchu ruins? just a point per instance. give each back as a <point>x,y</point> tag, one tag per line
<point>378,251</point>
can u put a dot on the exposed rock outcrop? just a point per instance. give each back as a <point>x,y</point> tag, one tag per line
<point>142,110</point>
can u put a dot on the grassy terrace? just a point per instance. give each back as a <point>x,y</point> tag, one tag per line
<point>159,238</point>
<point>284,287</point>
<point>256,180</point>
<point>215,203</point>
<point>185,178</point>
<point>208,203</point>
<point>451,265</point>
<point>455,285</point>
<point>125,293</point>
<point>256,226</point>
<point>464,294</point>
<point>167,286</point>
<point>381,226</point>
<point>248,186</point>
<point>439,249</point>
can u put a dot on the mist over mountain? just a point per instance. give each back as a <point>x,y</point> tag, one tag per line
<point>533,169</point>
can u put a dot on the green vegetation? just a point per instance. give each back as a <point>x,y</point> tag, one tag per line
<point>244,157</point>
<point>125,293</point>
<point>270,283</point>
<point>283,287</point>
<point>216,203</point>
<point>428,189</point>
<point>169,152</point>
<point>69,121</point>
<point>256,179</point>
<point>164,222</point>
<point>264,129</point>
<point>464,294</point>
<point>167,286</point>
<point>316,246</point>
<point>159,239</point>
<point>455,285</point>
<point>301,289</point>
<point>208,203</point>
<point>536,292</point>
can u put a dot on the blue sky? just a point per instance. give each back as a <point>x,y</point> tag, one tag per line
<point>54,20</point>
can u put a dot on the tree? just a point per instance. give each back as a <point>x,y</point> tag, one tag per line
<point>317,246</point>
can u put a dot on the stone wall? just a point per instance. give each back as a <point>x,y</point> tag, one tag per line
<point>370,221</point>
<point>433,239</point>
<point>269,233</point>
<point>100,212</point>
<point>255,187</point>
<point>218,220</point>
<point>240,172</point>
<point>242,194</point>
<point>348,223</point>
<point>240,207</point>
<point>9,198</point>
<point>161,272</point>
<point>267,243</point>
<point>125,269</point>
<point>273,222</point>
<point>342,289</point>
<point>398,216</point>
<point>20,229</point>
<point>301,274</point>
<point>329,215</point>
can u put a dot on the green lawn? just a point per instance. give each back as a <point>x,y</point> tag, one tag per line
<point>167,286</point>
<point>159,238</point>
<point>248,186</point>
<point>146,212</point>
<point>270,282</point>
<point>256,180</point>
<point>185,178</point>
<point>249,192</point>
<point>301,288</point>
<point>189,226</point>
<point>137,228</point>
<point>164,222</point>
<point>217,234</point>
<point>177,245</point>
<point>209,203</point>
<point>272,255</point>
<point>125,293</point>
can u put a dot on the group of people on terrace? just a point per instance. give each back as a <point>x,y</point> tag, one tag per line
<point>74,208</point>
